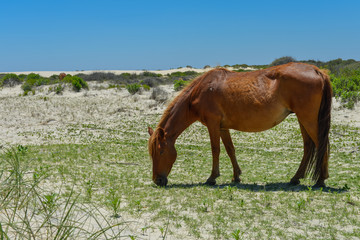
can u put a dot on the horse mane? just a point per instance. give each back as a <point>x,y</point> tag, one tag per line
<point>187,92</point>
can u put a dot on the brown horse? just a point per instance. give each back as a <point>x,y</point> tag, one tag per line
<point>251,102</point>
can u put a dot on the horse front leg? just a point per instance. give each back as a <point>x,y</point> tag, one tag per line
<point>214,133</point>
<point>229,146</point>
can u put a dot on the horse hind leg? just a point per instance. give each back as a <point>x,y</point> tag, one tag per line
<point>229,146</point>
<point>312,162</point>
<point>309,151</point>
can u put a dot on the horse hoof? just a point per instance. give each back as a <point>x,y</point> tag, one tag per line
<point>210,182</point>
<point>236,180</point>
<point>294,181</point>
<point>319,185</point>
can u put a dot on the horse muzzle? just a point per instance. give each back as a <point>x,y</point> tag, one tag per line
<point>161,181</point>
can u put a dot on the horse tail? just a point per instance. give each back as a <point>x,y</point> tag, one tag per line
<point>324,119</point>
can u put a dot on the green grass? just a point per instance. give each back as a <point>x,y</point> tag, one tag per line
<point>107,176</point>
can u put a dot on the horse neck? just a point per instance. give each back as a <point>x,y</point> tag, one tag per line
<point>177,119</point>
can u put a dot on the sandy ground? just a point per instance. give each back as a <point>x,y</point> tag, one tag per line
<point>45,117</point>
<point>45,112</point>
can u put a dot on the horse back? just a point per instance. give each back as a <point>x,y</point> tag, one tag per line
<point>258,100</point>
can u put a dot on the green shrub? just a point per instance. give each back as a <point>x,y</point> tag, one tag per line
<point>26,87</point>
<point>346,87</point>
<point>59,89</point>
<point>133,88</point>
<point>10,80</point>
<point>42,81</point>
<point>282,60</point>
<point>77,82</point>
<point>117,86</point>
<point>68,78</point>
<point>240,66</point>
<point>22,77</point>
<point>150,74</point>
<point>54,77</point>
<point>183,74</point>
<point>32,76</point>
<point>146,87</point>
<point>179,84</point>
<point>34,79</point>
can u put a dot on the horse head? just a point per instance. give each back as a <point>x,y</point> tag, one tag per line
<point>163,155</point>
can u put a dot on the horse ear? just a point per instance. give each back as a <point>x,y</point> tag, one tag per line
<point>150,131</point>
<point>161,134</point>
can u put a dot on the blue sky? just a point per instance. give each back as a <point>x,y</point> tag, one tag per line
<point>93,35</point>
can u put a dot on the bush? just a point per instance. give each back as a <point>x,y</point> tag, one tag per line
<point>183,74</point>
<point>179,84</point>
<point>151,82</point>
<point>282,60</point>
<point>240,66</point>
<point>33,76</point>
<point>77,82</point>
<point>67,78</point>
<point>133,88</point>
<point>10,80</point>
<point>159,94</point>
<point>103,76</point>
<point>346,87</point>
<point>34,79</point>
<point>150,74</point>
<point>146,87</point>
<point>59,89</point>
<point>26,87</point>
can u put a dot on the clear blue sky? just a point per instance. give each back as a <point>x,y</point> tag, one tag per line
<point>133,34</point>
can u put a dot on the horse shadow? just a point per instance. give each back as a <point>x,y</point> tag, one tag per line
<point>268,187</point>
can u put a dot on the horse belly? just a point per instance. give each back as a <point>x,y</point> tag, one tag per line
<point>252,118</point>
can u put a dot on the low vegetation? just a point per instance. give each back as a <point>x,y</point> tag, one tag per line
<point>346,87</point>
<point>282,60</point>
<point>31,81</point>
<point>179,84</point>
<point>101,188</point>
<point>10,80</point>
<point>76,82</point>
<point>133,88</point>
